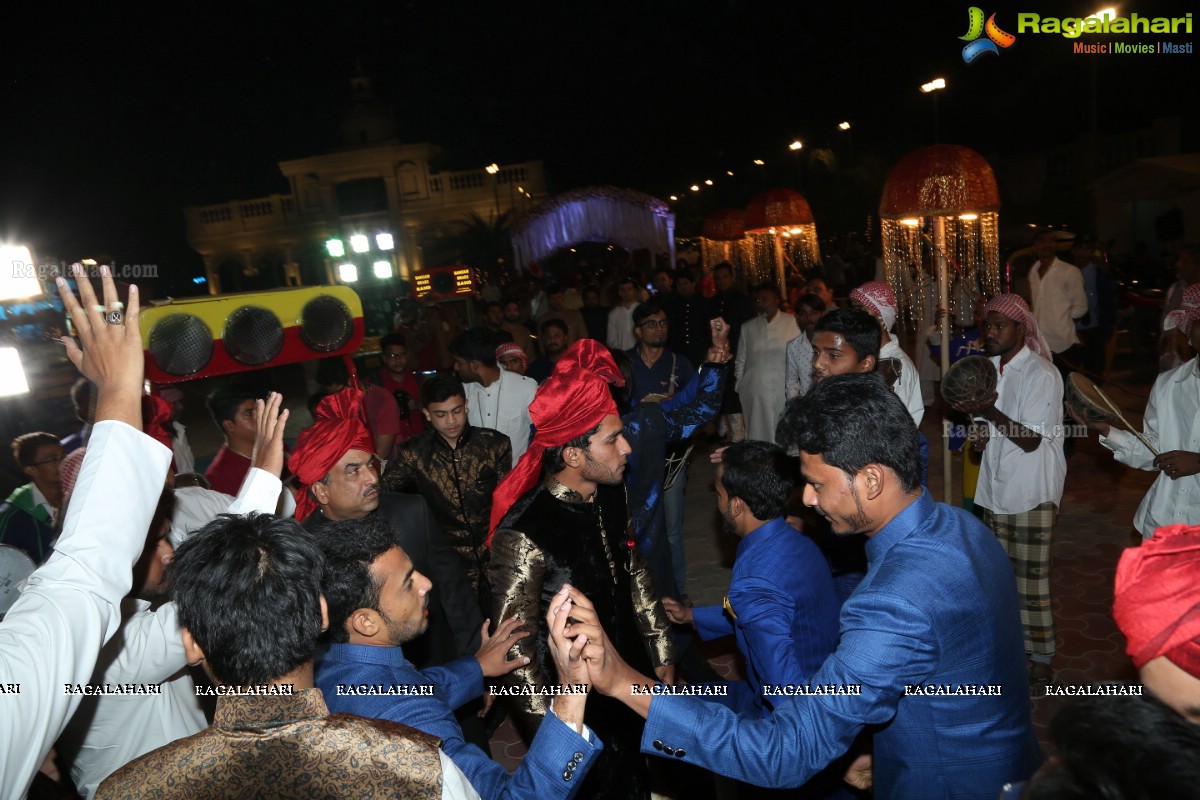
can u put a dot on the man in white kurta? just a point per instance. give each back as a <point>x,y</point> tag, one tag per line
<point>1172,427</point>
<point>1057,293</point>
<point>761,365</point>
<point>71,606</point>
<point>110,731</point>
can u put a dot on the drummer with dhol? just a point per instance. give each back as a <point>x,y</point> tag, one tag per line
<point>1172,426</point>
<point>1023,470</point>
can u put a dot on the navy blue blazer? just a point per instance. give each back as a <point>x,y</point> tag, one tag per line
<point>558,758</point>
<point>786,609</point>
<point>934,623</point>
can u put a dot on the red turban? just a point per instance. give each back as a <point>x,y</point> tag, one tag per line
<point>572,401</point>
<point>339,428</point>
<point>1015,308</point>
<point>1156,602</point>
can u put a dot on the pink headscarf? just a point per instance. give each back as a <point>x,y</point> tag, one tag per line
<point>1187,314</point>
<point>510,349</point>
<point>880,301</point>
<point>1015,308</point>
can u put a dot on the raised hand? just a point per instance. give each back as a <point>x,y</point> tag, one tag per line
<point>493,653</point>
<point>269,423</point>
<point>109,352</point>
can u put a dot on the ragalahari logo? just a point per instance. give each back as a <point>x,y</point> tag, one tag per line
<point>995,40</point>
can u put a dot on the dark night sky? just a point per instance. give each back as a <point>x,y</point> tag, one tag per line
<point>113,123</point>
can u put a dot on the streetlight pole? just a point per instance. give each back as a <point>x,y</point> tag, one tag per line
<point>932,88</point>
<point>493,169</point>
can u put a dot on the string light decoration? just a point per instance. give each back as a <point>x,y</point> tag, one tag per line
<point>723,238</point>
<point>940,216</point>
<point>783,233</point>
<point>950,186</point>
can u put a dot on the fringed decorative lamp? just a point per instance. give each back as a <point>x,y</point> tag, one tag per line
<point>781,228</point>
<point>723,238</point>
<point>940,220</point>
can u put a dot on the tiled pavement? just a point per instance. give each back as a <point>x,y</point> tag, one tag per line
<point>1094,526</point>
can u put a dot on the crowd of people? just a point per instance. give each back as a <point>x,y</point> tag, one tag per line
<point>353,614</point>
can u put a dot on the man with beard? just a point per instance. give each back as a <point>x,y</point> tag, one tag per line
<point>378,603</point>
<point>561,517</point>
<point>514,323</point>
<point>496,398</point>
<point>397,378</point>
<point>338,474</point>
<point>1024,468</point>
<point>576,327</point>
<point>554,335</point>
<point>929,655</point>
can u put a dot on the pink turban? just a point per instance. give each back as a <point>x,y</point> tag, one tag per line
<point>1187,314</point>
<point>1156,601</point>
<point>1015,308</point>
<point>879,300</point>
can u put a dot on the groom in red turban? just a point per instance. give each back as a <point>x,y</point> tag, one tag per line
<point>561,517</point>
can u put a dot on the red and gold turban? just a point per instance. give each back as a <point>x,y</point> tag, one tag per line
<point>1156,602</point>
<point>339,428</point>
<point>572,401</point>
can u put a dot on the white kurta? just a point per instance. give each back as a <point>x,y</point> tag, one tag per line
<point>110,731</point>
<point>761,371</point>
<point>1172,423</point>
<point>71,605</point>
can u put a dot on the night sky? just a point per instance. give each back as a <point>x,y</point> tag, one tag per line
<point>113,123</point>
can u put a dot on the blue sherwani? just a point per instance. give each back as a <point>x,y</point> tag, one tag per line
<point>938,607</point>
<point>558,759</point>
<point>787,609</point>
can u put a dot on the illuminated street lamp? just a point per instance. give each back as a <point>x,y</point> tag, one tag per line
<point>348,273</point>
<point>384,241</point>
<point>383,269</point>
<point>843,126</point>
<point>335,248</point>
<point>796,145</point>
<point>932,88</point>
<point>360,243</point>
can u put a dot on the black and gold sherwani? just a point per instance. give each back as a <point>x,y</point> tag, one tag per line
<point>286,747</point>
<point>458,484</point>
<point>552,536</point>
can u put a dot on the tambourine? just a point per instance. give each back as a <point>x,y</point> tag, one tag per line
<point>1086,399</point>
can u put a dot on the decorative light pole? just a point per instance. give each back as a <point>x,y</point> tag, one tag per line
<point>940,207</point>
<point>777,217</point>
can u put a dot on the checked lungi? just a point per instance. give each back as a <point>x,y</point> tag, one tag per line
<point>1026,538</point>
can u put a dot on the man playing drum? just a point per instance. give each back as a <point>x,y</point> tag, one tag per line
<point>1172,426</point>
<point>1023,470</point>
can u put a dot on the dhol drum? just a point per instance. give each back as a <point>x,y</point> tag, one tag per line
<point>1086,399</point>
<point>15,567</point>
<point>969,380</point>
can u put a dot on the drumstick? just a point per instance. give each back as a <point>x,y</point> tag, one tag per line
<point>1112,407</point>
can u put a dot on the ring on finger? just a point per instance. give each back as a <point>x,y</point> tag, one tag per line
<point>115,317</point>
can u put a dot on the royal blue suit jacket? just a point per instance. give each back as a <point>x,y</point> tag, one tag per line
<point>558,758</point>
<point>938,607</point>
<point>787,609</point>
